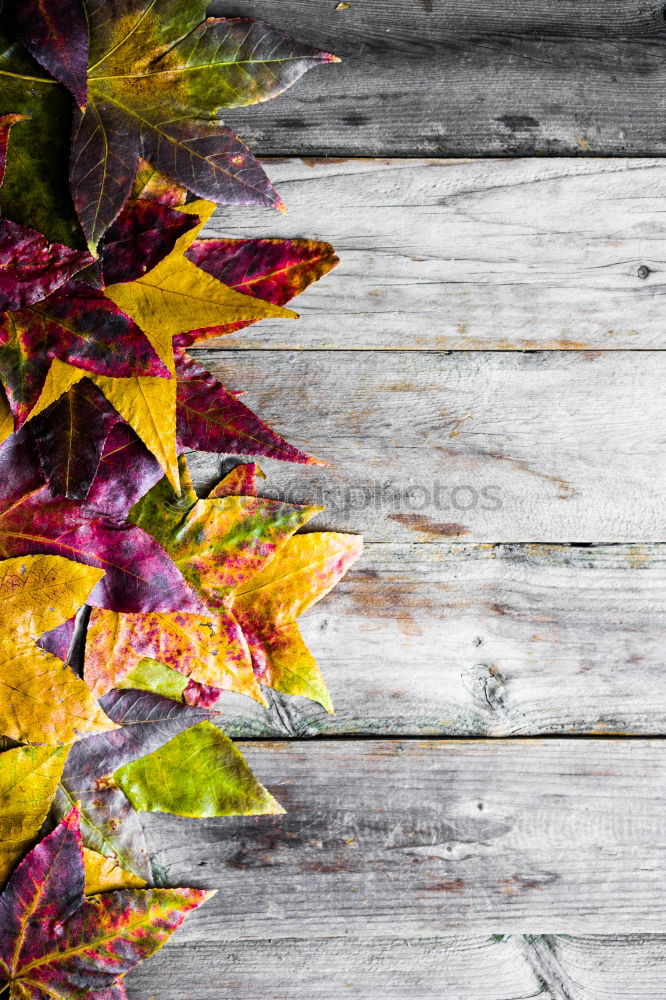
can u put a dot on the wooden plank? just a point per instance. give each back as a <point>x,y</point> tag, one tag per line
<point>539,447</point>
<point>414,839</point>
<point>446,77</point>
<point>505,967</point>
<point>467,255</point>
<point>474,640</point>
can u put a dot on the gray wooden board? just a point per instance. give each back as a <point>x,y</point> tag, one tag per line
<point>452,78</point>
<point>554,446</point>
<point>413,839</point>
<point>477,640</point>
<point>470,254</point>
<point>450,967</point>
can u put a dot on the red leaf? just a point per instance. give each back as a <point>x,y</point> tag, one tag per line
<point>78,325</point>
<point>139,575</point>
<point>144,233</point>
<point>30,268</point>
<point>56,943</point>
<point>273,270</point>
<point>210,418</point>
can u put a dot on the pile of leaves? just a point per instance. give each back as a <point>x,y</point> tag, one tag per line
<point>129,605</point>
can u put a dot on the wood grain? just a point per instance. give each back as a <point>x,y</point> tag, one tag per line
<point>470,255</point>
<point>447,78</point>
<point>474,640</point>
<point>488,446</point>
<point>419,838</point>
<point>509,967</point>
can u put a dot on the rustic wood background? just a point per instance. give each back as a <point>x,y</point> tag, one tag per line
<point>484,816</point>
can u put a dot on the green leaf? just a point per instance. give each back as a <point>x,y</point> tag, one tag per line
<point>36,187</point>
<point>197,773</point>
<point>158,77</point>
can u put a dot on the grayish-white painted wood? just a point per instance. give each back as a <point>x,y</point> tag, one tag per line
<point>475,640</point>
<point>470,254</point>
<point>450,78</point>
<point>489,446</point>
<point>409,839</point>
<point>450,967</point>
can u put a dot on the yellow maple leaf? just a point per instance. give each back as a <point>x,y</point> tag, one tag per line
<point>267,605</point>
<point>210,649</point>
<point>41,699</point>
<point>173,297</point>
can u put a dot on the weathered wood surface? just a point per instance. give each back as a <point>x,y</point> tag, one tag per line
<point>488,446</point>
<point>475,640</point>
<point>413,839</point>
<point>467,255</point>
<point>509,967</point>
<point>452,78</point>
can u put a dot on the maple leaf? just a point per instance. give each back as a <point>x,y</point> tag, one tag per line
<point>159,74</point>
<point>31,269</point>
<point>238,554</point>
<point>28,780</point>
<point>271,269</point>
<point>57,943</point>
<point>166,300</point>
<point>41,700</point>
<point>100,770</point>
<point>139,576</point>
<point>215,543</point>
<point>44,315</point>
<point>55,33</point>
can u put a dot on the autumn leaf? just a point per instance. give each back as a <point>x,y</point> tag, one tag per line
<point>109,823</point>
<point>210,649</point>
<point>41,699</point>
<point>75,324</point>
<point>151,184</point>
<point>139,576</point>
<point>28,780</point>
<point>218,543</point>
<point>241,481</point>
<point>303,571</point>
<point>273,270</point>
<point>164,301</point>
<point>238,554</point>
<point>145,232</point>
<point>215,543</point>
<point>98,767</point>
<point>159,74</point>
<point>59,944</point>
<point>55,33</point>
<point>30,268</point>
<point>197,773</point>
